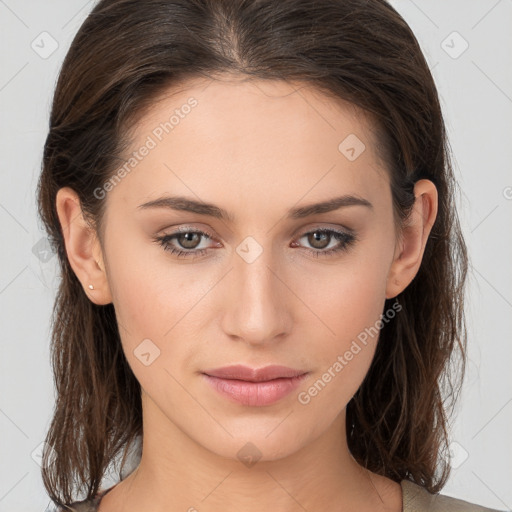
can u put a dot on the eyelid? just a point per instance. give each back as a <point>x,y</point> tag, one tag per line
<point>299,233</point>
<point>342,230</point>
<point>189,229</point>
<point>346,236</point>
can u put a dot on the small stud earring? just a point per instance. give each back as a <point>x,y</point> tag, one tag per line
<point>91,287</point>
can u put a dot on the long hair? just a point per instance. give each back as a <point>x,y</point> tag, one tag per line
<point>124,55</point>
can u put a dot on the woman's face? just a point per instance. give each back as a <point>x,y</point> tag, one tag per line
<point>261,285</point>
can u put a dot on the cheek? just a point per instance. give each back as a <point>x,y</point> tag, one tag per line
<point>348,301</point>
<point>154,303</point>
<point>150,292</point>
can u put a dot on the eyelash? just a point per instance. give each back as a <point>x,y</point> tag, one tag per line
<point>347,240</point>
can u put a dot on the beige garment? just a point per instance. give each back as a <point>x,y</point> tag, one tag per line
<point>417,499</point>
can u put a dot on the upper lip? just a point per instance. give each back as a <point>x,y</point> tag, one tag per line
<point>241,372</point>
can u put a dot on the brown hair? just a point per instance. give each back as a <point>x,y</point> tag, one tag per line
<point>125,54</point>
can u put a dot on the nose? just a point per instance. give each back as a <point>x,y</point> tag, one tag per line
<point>257,301</point>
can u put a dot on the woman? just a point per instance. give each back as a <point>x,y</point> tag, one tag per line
<point>262,264</point>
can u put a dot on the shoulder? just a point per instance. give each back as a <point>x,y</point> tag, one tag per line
<point>418,499</point>
<point>78,506</point>
<point>83,506</point>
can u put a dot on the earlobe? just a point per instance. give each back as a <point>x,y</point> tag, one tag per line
<point>82,247</point>
<point>409,253</point>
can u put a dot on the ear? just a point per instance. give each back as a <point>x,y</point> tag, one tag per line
<point>413,239</point>
<point>82,247</point>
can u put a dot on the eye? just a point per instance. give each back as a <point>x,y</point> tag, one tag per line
<point>187,240</point>
<point>186,244</point>
<point>321,238</point>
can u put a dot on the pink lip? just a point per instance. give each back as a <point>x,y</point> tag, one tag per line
<point>255,387</point>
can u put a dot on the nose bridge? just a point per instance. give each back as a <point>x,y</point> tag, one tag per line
<point>256,310</point>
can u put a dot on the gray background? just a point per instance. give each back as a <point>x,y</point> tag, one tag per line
<point>475,86</point>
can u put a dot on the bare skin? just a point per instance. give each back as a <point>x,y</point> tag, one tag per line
<point>256,150</point>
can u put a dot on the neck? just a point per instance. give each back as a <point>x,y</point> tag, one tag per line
<point>178,474</point>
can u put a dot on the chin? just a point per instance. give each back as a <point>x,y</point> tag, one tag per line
<point>254,441</point>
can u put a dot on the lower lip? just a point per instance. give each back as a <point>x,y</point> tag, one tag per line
<point>255,393</point>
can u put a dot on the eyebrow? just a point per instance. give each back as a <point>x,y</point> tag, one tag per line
<point>181,203</point>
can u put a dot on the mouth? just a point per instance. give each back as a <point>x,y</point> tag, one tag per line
<point>254,387</point>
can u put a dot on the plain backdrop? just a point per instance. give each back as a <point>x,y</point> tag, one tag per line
<point>467,44</point>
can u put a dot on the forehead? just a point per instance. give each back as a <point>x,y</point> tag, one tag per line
<point>234,104</point>
<point>252,135</point>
